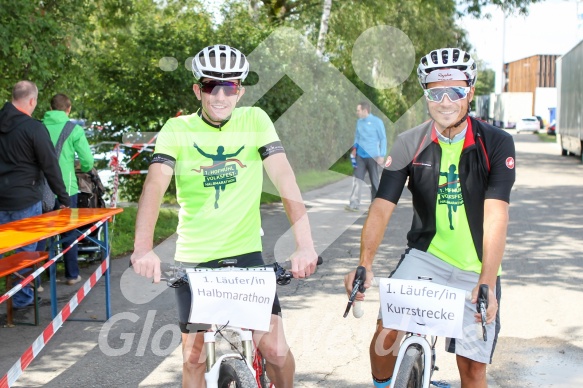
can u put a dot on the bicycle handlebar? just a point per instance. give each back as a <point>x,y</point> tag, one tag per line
<point>358,286</point>
<point>179,278</point>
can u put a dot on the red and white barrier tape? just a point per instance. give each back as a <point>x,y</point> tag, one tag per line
<point>133,172</point>
<point>144,148</point>
<point>116,168</point>
<point>40,270</point>
<point>30,354</point>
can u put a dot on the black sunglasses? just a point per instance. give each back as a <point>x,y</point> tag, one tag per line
<point>213,87</point>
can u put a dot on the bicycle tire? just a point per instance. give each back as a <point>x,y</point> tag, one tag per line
<point>410,373</point>
<point>234,373</point>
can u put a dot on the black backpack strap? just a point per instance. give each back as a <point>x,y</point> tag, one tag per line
<point>65,133</point>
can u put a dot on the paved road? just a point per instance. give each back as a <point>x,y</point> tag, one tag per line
<point>541,343</point>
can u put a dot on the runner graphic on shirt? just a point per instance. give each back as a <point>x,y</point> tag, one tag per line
<point>450,193</point>
<point>220,174</point>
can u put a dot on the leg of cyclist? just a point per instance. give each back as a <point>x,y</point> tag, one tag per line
<point>193,360</point>
<point>384,349</point>
<point>472,373</point>
<point>274,348</point>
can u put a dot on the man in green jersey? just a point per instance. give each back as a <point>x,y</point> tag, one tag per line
<point>217,156</point>
<point>460,172</point>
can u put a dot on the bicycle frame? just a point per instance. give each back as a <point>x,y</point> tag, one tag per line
<point>415,338</point>
<point>251,354</point>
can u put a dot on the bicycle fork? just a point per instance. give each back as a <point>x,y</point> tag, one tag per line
<point>428,361</point>
<point>213,364</point>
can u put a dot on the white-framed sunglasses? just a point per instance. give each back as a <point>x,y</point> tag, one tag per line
<point>454,93</point>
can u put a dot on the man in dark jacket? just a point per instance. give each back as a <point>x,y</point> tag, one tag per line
<point>26,150</point>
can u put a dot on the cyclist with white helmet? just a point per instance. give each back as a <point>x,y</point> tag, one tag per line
<point>217,156</point>
<point>460,172</point>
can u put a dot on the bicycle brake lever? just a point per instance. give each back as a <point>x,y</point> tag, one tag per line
<point>357,285</point>
<point>482,306</point>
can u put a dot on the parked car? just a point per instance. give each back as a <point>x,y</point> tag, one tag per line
<point>551,129</point>
<point>528,124</point>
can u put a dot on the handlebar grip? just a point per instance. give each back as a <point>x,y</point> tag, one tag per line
<point>357,310</point>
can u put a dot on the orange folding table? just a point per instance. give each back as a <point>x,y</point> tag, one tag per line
<point>20,233</point>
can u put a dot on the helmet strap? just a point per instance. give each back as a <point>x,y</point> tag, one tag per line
<point>461,120</point>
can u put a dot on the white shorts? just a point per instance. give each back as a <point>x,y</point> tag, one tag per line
<point>415,263</point>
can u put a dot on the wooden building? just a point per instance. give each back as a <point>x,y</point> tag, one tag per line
<point>527,74</point>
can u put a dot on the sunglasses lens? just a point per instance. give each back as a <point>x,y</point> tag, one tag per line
<point>453,93</point>
<point>229,88</point>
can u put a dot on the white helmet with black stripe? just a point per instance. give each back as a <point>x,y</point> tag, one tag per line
<point>220,62</point>
<point>447,58</point>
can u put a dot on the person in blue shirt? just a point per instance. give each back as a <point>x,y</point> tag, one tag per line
<point>370,147</point>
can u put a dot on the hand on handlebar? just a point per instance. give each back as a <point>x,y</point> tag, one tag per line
<point>349,281</point>
<point>146,264</point>
<point>491,308</point>
<point>356,283</point>
<point>303,262</point>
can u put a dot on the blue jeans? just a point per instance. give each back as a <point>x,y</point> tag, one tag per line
<point>25,296</point>
<point>69,258</point>
<point>364,165</point>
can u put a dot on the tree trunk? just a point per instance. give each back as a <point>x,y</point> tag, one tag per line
<point>323,27</point>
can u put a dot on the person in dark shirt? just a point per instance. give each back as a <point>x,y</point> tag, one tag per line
<point>26,150</point>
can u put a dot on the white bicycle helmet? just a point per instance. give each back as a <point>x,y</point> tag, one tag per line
<point>220,62</point>
<point>450,58</point>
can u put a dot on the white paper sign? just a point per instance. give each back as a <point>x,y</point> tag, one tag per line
<point>422,307</point>
<point>243,297</point>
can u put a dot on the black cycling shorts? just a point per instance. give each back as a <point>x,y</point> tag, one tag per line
<point>184,297</point>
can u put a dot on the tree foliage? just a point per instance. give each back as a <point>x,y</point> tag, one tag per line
<point>476,7</point>
<point>41,42</point>
<point>125,63</point>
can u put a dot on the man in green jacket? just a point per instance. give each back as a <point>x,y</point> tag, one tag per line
<point>76,143</point>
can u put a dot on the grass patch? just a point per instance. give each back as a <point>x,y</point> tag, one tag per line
<point>123,229</point>
<point>313,179</point>
<point>546,138</point>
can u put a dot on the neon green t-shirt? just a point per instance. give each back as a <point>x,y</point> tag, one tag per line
<point>453,242</point>
<point>219,177</point>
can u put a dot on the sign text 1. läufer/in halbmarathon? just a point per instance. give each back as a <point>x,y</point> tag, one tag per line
<point>243,298</point>
<point>221,280</point>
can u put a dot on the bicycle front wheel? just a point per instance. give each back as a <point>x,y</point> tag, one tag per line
<point>234,373</point>
<point>410,373</point>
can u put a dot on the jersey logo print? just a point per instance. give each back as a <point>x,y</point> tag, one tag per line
<point>220,173</point>
<point>510,162</point>
<point>450,193</point>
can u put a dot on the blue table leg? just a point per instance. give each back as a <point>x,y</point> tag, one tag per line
<point>107,287</point>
